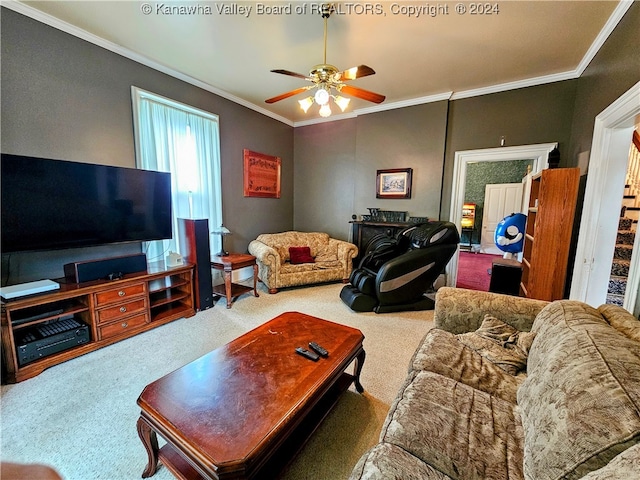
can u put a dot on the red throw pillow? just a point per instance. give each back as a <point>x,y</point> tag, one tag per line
<point>300,255</point>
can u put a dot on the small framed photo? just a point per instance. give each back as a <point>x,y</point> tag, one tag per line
<point>394,183</point>
<point>261,175</point>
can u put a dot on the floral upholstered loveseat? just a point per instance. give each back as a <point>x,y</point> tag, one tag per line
<point>513,388</point>
<point>328,259</point>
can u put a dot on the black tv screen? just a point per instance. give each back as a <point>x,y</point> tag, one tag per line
<point>54,204</point>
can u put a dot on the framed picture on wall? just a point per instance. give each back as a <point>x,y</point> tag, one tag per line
<point>394,183</point>
<point>261,175</point>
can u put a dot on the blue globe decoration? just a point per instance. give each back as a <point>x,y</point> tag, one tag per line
<point>509,235</point>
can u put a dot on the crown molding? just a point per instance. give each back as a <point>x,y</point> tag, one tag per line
<point>606,30</point>
<point>332,118</point>
<point>124,52</point>
<point>377,108</point>
<point>47,19</point>
<point>503,87</point>
<point>406,103</point>
<point>611,24</point>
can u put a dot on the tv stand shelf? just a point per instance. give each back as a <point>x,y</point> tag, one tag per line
<point>28,317</point>
<point>112,309</point>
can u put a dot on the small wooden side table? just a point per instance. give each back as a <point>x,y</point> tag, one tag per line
<point>231,262</point>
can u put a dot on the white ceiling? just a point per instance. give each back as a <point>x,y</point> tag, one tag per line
<point>416,59</point>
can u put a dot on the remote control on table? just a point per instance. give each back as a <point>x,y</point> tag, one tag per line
<point>318,349</point>
<point>306,353</point>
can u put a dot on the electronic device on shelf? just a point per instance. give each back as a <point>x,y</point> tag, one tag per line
<point>38,312</point>
<point>29,288</point>
<point>113,268</point>
<point>51,337</point>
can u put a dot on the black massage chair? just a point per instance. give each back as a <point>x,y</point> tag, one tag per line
<point>396,272</point>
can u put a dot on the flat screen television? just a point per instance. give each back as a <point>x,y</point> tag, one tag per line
<point>54,204</point>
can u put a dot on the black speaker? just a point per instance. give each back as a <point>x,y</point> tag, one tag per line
<point>194,246</point>
<point>107,268</point>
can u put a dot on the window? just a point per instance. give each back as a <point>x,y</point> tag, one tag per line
<point>176,138</point>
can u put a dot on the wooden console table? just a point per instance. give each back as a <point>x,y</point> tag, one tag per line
<point>229,263</point>
<point>112,309</point>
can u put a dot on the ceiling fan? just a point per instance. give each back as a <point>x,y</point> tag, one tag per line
<point>325,77</point>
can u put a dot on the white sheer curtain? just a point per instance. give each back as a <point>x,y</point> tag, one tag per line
<point>176,138</point>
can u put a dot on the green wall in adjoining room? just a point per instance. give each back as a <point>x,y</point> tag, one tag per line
<point>481,174</point>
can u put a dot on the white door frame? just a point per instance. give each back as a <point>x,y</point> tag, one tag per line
<point>538,153</point>
<point>612,136</point>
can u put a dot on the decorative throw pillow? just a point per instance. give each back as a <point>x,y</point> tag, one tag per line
<point>500,343</point>
<point>299,255</point>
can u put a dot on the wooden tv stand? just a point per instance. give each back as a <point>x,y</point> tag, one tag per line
<point>112,309</point>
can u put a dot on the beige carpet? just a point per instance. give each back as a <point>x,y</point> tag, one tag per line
<point>80,416</point>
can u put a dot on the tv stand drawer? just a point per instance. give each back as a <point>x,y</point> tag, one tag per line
<point>121,310</point>
<point>119,294</point>
<point>122,326</point>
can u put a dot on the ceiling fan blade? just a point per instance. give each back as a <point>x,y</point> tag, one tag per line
<point>362,93</point>
<point>288,94</point>
<point>292,74</point>
<point>356,72</point>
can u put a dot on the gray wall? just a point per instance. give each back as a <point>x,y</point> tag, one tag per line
<point>67,99</point>
<point>423,137</point>
<point>324,177</point>
<point>613,71</point>
<point>336,164</point>
<point>540,114</point>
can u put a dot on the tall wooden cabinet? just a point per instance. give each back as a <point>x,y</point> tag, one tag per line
<point>552,206</point>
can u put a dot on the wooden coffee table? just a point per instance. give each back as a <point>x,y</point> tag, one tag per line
<point>242,410</point>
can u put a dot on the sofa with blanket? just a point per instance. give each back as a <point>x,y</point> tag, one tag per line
<point>514,388</point>
<point>294,258</point>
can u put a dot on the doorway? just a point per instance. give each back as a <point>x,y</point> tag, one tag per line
<point>612,136</point>
<point>475,261</point>
<point>464,161</point>
<point>500,200</point>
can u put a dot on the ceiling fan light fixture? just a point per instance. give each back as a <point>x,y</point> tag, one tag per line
<point>305,103</point>
<point>325,110</point>
<point>326,78</point>
<point>342,102</point>
<point>322,96</point>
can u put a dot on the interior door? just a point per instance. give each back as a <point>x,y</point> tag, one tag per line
<point>500,200</point>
